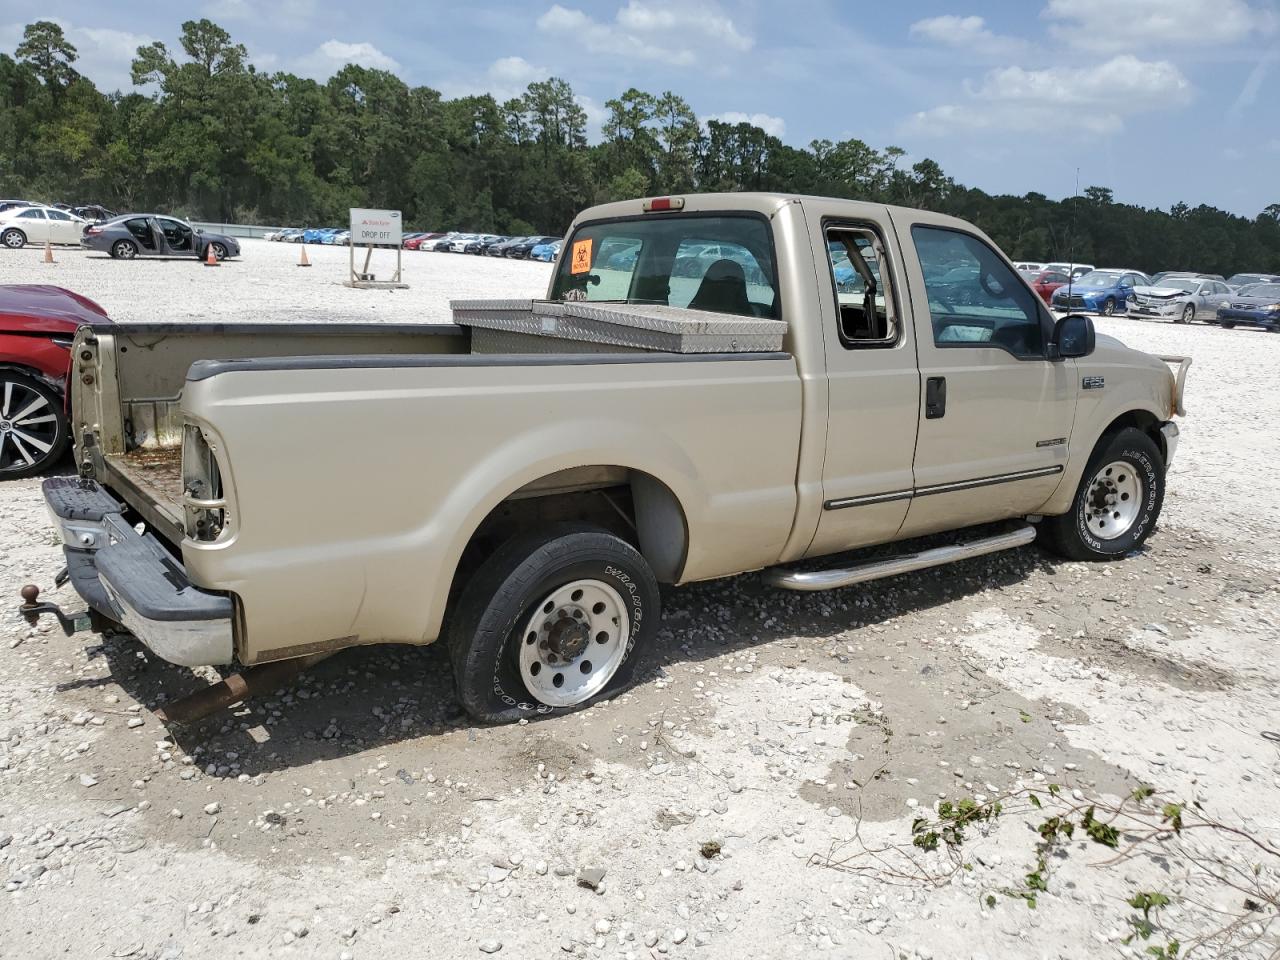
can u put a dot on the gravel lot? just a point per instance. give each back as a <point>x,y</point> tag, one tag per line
<point>754,797</point>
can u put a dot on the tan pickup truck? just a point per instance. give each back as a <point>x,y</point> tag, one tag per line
<point>716,384</point>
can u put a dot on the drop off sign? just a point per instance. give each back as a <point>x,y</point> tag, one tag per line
<point>375,228</point>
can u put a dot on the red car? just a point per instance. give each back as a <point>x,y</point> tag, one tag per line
<point>1047,281</point>
<point>37,324</point>
<point>416,242</point>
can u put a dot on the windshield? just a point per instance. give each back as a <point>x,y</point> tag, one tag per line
<point>1098,278</point>
<point>1240,278</point>
<point>1173,283</point>
<point>720,263</point>
<point>1261,290</point>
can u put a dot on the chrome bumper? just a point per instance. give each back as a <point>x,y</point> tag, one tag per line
<point>1170,433</point>
<point>131,578</point>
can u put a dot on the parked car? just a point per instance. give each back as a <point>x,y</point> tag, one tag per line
<point>1047,281</point>
<point>1028,266</point>
<point>1102,291</point>
<point>524,249</point>
<point>1180,299</point>
<point>1239,280</point>
<point>1253,305</point>
<point>317,234</point>
<point>1072,270</point>
<point>676,467</point>
<point>22,225</point>
<point>481,243</point>
<point>288,235</point>
<point>547,252</point>
<point>134,235</point>
<point>337,238</point>
<point>37,324</point>
<point>500,249</point>
<point>12,204</point>
<point>424,241</point>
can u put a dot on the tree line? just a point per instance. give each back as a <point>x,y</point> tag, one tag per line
<point>209,136</point>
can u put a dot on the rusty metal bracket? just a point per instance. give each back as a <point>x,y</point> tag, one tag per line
<point>239,686</point>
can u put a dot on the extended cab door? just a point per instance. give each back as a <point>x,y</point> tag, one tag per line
<point>873,384</point>
<point>995,412</point>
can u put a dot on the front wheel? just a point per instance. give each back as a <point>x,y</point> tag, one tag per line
<point>33,428</point>
<point>551,623</point>
<point>1117,503</point>
<point>1227,325</point>
<point>14,239</point>
<point>1188,313</point>
<point>1108,307</point>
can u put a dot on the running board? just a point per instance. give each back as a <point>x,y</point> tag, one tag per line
<point>892,566</point>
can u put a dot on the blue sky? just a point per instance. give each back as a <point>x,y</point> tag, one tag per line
<point>1160,100</point>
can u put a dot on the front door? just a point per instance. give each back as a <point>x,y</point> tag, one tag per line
<point>873,388</point>
<point>34,224</point>
<point>995,412</point>
<point>177,237</point>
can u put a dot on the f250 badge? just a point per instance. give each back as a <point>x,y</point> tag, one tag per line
<point>1093,383</point>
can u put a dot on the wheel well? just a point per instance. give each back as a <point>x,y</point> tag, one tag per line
<point>631,504</point>
<point>1142,420</point>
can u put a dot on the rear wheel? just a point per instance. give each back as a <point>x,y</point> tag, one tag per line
<point>33,428</point>
<point>1117,503</point>
<point>1188,313</point>
<point>124,250</point>
<point>13,238</point>
<point>551,623</point>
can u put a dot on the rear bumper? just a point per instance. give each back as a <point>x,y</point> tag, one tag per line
<point>132,579</point>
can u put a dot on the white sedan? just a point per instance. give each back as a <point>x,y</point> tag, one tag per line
<point>23,225</point>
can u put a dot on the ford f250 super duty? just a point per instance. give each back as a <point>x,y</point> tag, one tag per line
<point>715,384</point>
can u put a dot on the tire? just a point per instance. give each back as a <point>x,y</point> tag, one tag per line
<point>1117,503</point>
<point>33,426</point>
<point>1188,314</point>
<point>13,239</point>
<point>1108,307</point>
<point>596,593</point>
<point>219,251</point>
<point>124,250</point>
<point>1227,324</point>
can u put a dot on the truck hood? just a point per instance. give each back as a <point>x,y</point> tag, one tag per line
<point>44,308</point>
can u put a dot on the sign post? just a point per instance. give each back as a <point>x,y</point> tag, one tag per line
<point>374,229</point>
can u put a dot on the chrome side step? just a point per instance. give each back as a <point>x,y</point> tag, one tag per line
<point>892,566</point>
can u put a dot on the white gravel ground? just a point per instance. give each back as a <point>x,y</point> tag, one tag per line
<point>357,814</point>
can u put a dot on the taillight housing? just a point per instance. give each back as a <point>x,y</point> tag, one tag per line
<point>203,503</point>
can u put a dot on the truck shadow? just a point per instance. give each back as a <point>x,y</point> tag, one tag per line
<point>367,698</point>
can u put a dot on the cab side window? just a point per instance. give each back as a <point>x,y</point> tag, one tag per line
<point>975,300</point>
<point>863,295</point>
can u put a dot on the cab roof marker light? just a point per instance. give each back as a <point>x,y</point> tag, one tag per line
<point>663,204</point>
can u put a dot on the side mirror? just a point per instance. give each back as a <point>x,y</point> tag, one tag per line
<point>1073,336</point>
<point>199,229</point>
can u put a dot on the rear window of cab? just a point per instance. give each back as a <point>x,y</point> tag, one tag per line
<point>715,262</point>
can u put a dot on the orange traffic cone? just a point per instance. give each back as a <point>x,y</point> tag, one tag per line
<point>302,260</point>
<point>48,252</point>
<point>211,258</point>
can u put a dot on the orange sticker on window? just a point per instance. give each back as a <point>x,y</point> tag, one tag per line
<point>581,262</point>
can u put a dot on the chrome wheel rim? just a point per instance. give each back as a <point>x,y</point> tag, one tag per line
<point>124,250</point>
<point>28,426</point>
<point>573,643</point>
<point>13,240</point>
<point>1188,314</point>
<point>1113,500</point>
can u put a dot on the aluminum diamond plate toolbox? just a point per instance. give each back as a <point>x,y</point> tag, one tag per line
<point>631,326</point>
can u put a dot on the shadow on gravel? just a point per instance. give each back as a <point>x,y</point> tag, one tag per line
<point>367,698</point>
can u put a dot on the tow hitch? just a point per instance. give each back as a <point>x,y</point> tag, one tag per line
<point>31,608</point>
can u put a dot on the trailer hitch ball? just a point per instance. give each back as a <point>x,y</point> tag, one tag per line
<point>30,594</point>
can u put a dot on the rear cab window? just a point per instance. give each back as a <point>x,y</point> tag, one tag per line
<point>723,263</point>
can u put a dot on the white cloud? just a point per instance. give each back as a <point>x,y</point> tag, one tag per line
<point>332,55</point>
<point>968,33</point>
<point>280,12</point>
<point>1115,25</point>
<point>505,78</point>
<point>774,126</point>
<point>1096,99</point>
<point>644,30</point>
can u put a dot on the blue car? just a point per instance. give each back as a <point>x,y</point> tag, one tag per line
<point>1255,305</point>
<point>317,234</point>
<point>1099,291</point>
<point>546,252</point>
